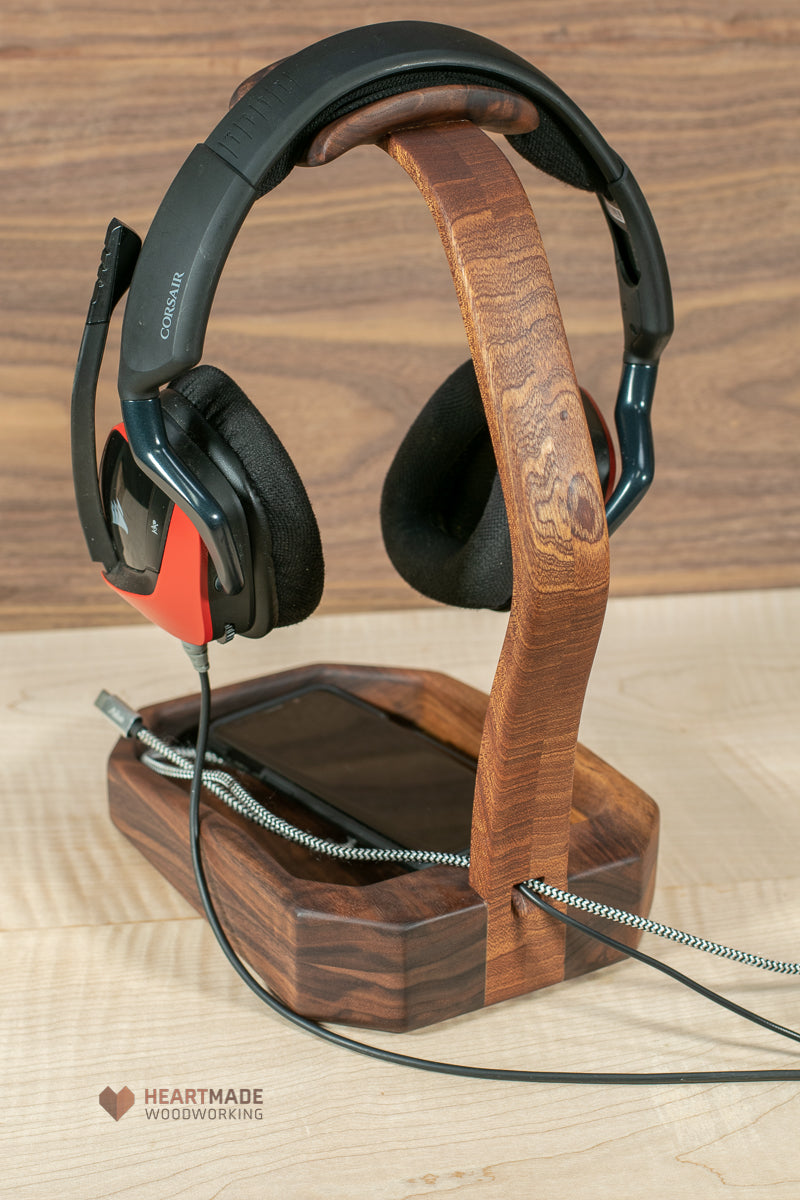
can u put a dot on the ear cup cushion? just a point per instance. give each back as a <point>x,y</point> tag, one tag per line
<point>602,445</point>
<point>296,545</point>
<point>442,511</point>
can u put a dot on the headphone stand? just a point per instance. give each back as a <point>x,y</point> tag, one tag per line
<point>395,949</point>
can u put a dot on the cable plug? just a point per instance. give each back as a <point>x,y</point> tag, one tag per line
<point>119,713</point>
<point>198,657</point>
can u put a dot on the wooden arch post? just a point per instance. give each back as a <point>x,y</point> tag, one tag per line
<point>558,536</point>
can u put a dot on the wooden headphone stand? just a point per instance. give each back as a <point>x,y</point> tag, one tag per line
<point>382,946</point>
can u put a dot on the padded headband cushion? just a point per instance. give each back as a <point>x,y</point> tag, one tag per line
<point>550,147</point>
<point>296,546</point>
<point>442,511</point>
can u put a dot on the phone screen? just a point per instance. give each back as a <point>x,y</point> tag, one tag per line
<point>381,780</point>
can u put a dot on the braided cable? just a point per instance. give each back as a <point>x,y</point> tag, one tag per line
<point>178,763</point>
<point>666,931</point>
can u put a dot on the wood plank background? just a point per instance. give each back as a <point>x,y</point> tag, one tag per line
<point>336,312</point>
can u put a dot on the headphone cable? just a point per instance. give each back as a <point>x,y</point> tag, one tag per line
<point>425,1064</point>
<point>131,725</point>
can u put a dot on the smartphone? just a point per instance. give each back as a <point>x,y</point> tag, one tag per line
<point>380,779</point>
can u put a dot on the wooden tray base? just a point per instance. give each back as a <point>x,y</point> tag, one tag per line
<point>373,945</point>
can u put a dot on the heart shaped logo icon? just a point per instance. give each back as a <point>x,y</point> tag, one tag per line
<point>116,1104</point>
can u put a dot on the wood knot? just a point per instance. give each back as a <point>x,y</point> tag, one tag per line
<point>585,510</point>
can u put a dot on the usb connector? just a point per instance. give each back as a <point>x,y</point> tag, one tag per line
<point>118,712</point>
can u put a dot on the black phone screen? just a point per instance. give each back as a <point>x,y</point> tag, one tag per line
<point>379,779</point>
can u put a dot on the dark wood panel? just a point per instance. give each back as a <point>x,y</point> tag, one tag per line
<point>359,943</point>
<point>336,313</point>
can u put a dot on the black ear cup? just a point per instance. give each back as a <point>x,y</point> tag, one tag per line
<point>296,547</point>
<point>443,515</point>
<point>442,511</point>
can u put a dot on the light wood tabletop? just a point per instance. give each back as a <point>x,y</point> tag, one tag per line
<point>110,980</point>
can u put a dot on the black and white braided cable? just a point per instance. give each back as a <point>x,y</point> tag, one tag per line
<point>666,931</point>
<point>178,763</point>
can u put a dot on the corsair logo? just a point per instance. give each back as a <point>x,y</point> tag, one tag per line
<point>118,516</point>
<point>169,308</point>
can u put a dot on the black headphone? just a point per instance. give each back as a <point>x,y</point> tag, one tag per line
<point>199,516</point>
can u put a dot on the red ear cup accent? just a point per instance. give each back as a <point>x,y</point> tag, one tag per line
<point>179,602</point>
<point>173,593</point>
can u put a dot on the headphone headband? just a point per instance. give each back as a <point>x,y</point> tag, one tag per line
<point>257,143</point>
<point>255,146</point>
<point>304,93</point>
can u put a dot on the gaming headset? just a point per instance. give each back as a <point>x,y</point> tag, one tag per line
<point>199,517</point>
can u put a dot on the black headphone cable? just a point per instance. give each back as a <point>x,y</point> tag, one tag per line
<point>130,723</point>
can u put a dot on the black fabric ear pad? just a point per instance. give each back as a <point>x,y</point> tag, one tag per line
<point>443,515</point>
<point>442,511</point>
<point>296,545</point>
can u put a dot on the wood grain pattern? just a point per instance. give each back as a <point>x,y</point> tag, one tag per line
<point>365,945</point>
<point>558,535</point>
<point>335,312</point>
<point>111,979</point>
<point>489,108</point>
<point>371,945</point>
<point>524,790</point>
